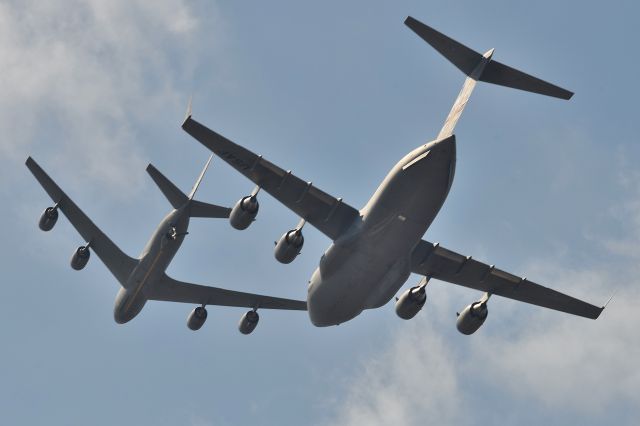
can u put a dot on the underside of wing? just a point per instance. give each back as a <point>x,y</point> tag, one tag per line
<point>328,214</point>
<point>435,261</point>
<point>170,290</point>
<point>115,260</point>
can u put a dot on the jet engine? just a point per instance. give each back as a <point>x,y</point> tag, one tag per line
<point>245,211</point>
<point>411,301</point>
<point>48,218</point>
<point>289,245</point>
<point>248,322</point>
<point>196,318</point>
<point>473,316</point>
<point>80,257</point>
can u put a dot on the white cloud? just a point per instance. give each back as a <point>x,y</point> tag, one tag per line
<point>568,362</point>
<point>79,76</point>
<point>627,212</point>
<point>415,376</point>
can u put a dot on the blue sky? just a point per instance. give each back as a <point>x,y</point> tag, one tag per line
<point>337,92</point>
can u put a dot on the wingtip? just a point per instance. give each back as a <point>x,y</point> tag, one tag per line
<point>601,310</point>
<point>31,163</point>
<point>188,113</point>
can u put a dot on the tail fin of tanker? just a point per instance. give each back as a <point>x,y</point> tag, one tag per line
<point>178,199</point>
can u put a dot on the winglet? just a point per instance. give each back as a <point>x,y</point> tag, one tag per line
<point>611,298</point>
<point>187,115</point>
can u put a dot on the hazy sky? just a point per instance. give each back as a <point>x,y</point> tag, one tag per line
<point>337,92</point>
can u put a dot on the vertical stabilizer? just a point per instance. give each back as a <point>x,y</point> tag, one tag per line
<point>197,184</point>
<point>179,199</point>
<point>463,96</point>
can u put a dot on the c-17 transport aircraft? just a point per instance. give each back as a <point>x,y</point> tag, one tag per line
<point>144,278</point>
<point>375,249</point>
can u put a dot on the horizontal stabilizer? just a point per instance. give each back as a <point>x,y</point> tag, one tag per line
<point>200,209</point>
<point>176,197</point>
<point>466,60</point>
<point>461,56</point>
<point>503,75</point>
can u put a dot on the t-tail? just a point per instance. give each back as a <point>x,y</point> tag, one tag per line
<point>478,67</point>
<point>179,199</point>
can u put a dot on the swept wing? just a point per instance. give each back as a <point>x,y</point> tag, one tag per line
<point>435,261</point>
<point>170,290</point>
<point>328,214</point>
<point>115,260</point>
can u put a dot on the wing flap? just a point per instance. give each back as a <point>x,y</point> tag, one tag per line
<point>437,262</point>
<point>328,214</point>
<point>115,260</point>
<point>170,290</point>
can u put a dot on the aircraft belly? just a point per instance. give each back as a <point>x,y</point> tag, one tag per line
<point>387,286</point>
<point>157,256</point>
<point>368,268</point>
<point>365,279</point>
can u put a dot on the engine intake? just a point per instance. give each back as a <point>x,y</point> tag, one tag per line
<point>411,302</point>
<point>248,322</point>
<point>244,212</point>
<point>48,218</point>
<point>472,317</point>
<point>289,246</point>
<point>196,318</point>
<point>80,257</point>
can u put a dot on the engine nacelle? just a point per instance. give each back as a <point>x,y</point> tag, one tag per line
<point>411,301</point>
<point>196,318</point>
<point>244,212</point>
<point>48,218</point>
<point>289,245</point>
<point>80,257</point>
<point>472,317</point>
<point>248,322</point>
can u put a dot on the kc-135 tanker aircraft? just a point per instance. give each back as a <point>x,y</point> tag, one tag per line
<point>374,250</point>
<point>144,278</point>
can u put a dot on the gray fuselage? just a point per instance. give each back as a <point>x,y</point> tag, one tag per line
<point>154,260</point>
<point>364,268</point>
